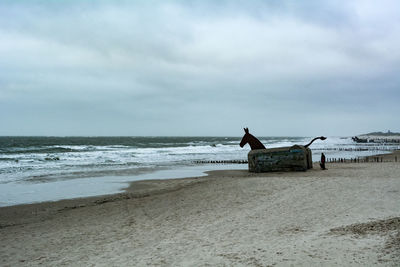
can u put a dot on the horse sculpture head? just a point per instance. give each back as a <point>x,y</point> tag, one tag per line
<point>251,140</point>
<point>245,138</point>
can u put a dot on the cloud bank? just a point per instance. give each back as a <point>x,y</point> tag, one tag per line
<point>198,67</point>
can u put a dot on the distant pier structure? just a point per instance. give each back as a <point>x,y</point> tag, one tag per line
<point>378,137</point>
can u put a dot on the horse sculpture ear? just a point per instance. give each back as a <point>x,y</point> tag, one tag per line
<point>246,130</point>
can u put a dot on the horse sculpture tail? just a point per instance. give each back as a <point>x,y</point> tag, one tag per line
<point>320,137</point>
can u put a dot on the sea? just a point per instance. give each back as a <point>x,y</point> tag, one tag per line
<point>36,169</point>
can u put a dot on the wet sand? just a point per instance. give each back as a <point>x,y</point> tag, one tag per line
<point>346,215</point>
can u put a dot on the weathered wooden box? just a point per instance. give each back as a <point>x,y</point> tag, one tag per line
<point>294,158</point>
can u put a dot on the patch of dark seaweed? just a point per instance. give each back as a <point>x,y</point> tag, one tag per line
<point>373,227</point>
<point>389,228</point>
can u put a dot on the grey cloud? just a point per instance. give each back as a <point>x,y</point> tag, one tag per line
<point>201,67</point>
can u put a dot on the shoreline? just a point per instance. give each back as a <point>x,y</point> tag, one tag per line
<point>86,187</point>
<point>230,217</point>
<point>145,188</point>
<point>107,170</point>
<point>144,182</point>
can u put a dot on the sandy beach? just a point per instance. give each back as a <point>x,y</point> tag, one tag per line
<point>348,215</point>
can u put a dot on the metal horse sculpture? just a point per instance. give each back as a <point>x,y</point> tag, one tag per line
<point>293,158</point>
<point>252,140</point>
<point>256,144</point>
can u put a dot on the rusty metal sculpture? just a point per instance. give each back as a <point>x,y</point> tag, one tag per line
<point>252,140</point>
<point>256,144</point>
<point>316,138</point>
<point>294,158</point>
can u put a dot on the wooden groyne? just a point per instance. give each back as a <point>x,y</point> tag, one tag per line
<point>328,160</point>
<point>362,160</point>
<point>358,149</point>
<point>221,162</point>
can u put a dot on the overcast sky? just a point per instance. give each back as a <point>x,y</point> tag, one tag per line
<point>292,68</point>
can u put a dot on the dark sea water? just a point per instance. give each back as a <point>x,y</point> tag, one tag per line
<point>27,162</point>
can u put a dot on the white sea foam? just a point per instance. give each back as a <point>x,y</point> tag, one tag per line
<point>44,160</point>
